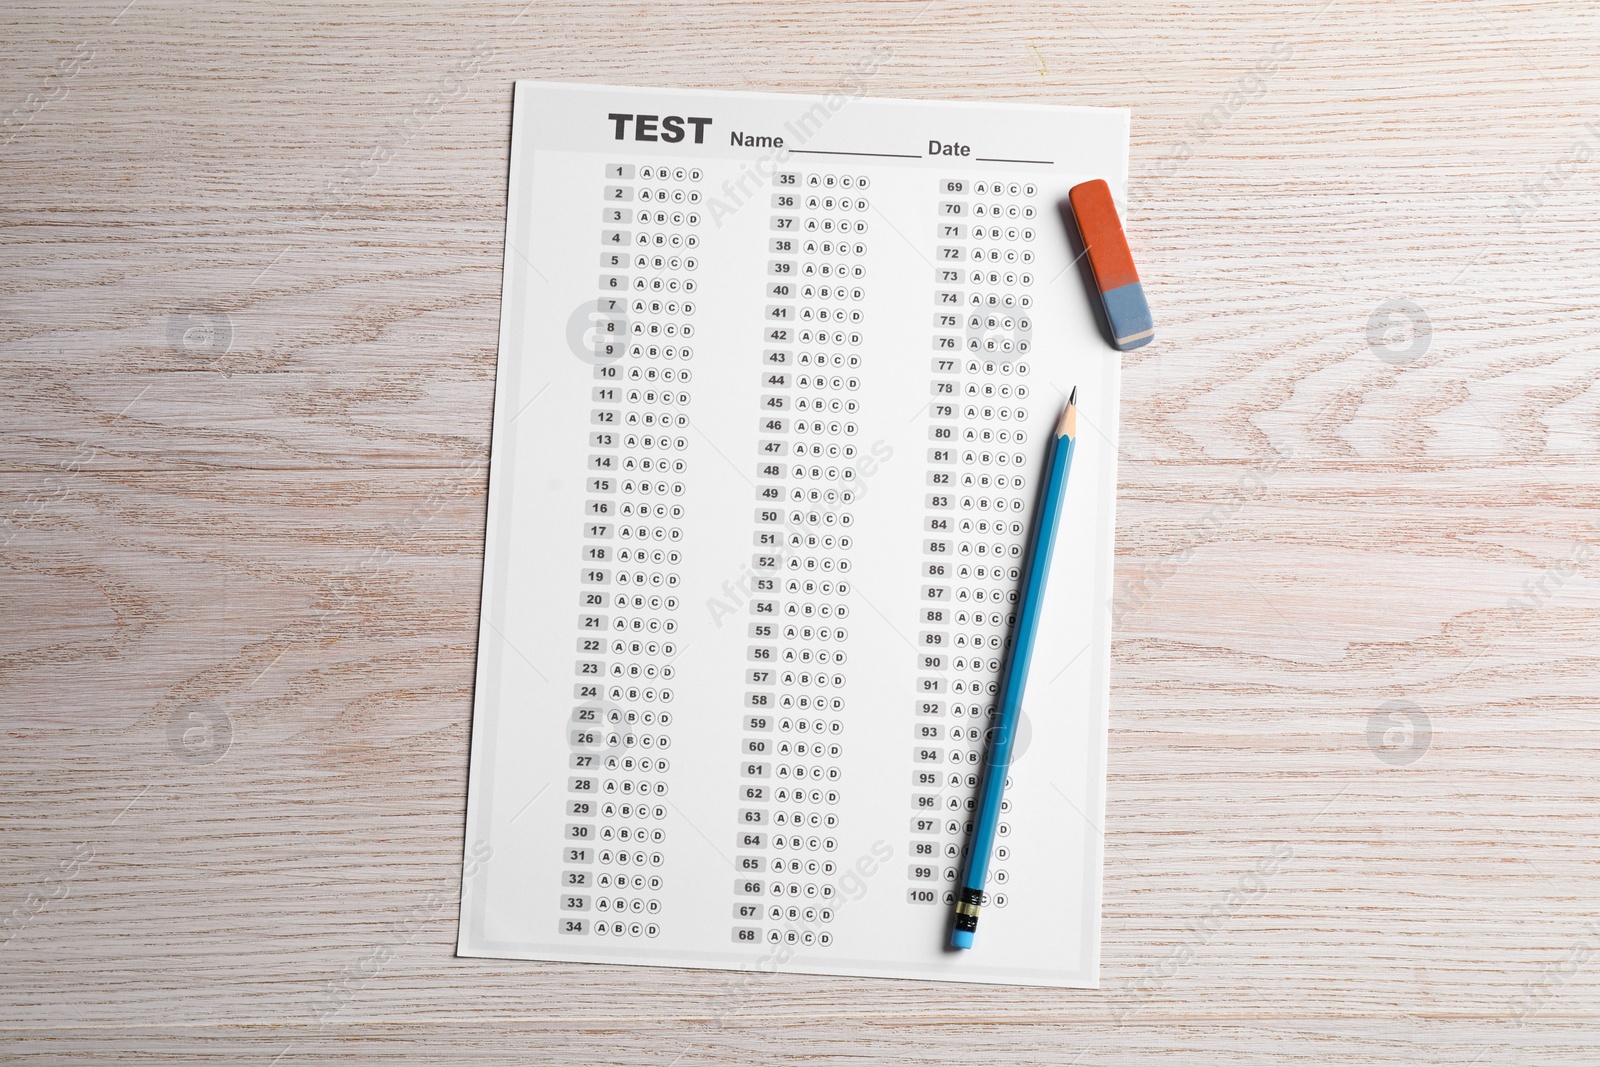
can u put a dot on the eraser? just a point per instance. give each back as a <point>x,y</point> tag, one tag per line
<point>1112,264</point>
<point>961,939</point>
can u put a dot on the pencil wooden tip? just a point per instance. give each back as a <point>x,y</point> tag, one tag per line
<point>1067,425</point>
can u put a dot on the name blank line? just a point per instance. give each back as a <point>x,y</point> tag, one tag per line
<point>821,152</point>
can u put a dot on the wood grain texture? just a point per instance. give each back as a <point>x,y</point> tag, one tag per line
<point>247,338</point>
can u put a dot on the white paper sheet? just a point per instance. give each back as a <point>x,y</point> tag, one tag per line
<point>776,377</point>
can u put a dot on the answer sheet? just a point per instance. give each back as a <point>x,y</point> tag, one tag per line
<point>776,379</point>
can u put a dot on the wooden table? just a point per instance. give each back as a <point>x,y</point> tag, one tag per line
<point>249,283</point>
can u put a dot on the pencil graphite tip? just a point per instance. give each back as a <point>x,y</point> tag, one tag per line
<point>1067,426</point>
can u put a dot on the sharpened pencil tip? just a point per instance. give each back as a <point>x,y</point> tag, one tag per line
<point>1067,425</point>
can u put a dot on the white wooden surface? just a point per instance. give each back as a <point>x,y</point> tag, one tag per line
<point>277,527</point>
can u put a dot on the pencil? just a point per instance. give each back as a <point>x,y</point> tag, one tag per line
<point>1058,464</point>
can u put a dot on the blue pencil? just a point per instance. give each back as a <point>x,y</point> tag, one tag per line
<point>1058,464</point>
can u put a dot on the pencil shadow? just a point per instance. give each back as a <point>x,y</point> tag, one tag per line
<point>1075,246</point>
<point>949,933</point>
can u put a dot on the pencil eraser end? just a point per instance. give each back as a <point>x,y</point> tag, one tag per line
<point>1111,263</point>
<point>961,938</point>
